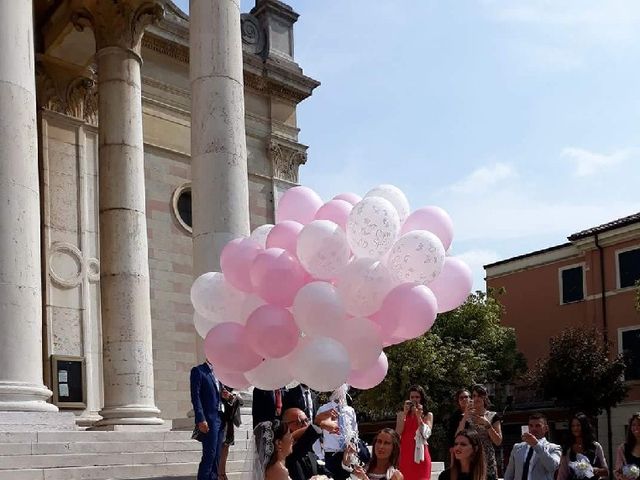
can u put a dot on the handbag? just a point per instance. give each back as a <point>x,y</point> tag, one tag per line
<point>197,434</point>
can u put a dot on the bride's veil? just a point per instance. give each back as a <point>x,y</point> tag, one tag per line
<point>263,437</point>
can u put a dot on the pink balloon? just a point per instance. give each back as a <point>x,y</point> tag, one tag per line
<point>335,210</point>
<point>277,276</point>
<point>285,235</point>
<point>453,285</point>
<point>299,204</point>
<point>435,220</point>
<point>227,348</point>
<point>350,197</point>
<point>370,377</point>
<point>232,379</point>
<point>272,332</point>
<point>236,259</point>
<point>412,307</point>
<point>362,339</point>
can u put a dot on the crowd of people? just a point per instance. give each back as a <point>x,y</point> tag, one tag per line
<point>298,439</point>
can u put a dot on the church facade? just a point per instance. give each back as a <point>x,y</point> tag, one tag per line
<point>87,231</point>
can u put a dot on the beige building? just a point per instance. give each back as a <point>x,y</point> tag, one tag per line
<point>96,257</point>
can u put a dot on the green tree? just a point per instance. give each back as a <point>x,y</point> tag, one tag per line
<point>465,346</point>
<point>579,372</point>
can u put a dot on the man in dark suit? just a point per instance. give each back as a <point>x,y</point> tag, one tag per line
<point>206,392</point>
<point>267,405</point>
<point>303,398</point>
<point>302,463</point>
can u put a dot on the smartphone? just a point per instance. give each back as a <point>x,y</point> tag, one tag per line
<point>524,429</point>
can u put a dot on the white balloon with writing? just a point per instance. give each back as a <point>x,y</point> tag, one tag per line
<point>417,256</point>
<point>372,227</point>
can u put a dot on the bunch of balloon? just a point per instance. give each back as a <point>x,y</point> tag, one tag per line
<point>316,297</point>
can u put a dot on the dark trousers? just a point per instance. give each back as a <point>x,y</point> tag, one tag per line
<point>211,448</point>
<point>333,463</point>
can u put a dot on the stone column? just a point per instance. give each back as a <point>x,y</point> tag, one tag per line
<point>220,188</point>
<point>21,377</point>
<point>124,263</point>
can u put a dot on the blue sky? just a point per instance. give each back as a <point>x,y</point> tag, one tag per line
<point>520,118</point>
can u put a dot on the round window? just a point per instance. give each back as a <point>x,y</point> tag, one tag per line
<point>182,206</point>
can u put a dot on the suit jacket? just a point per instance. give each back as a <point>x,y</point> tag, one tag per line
<point>294,398</point>
<point>303,462</point>
<point>543,465</point>
<point>205,396</point>
<point>263,407</point>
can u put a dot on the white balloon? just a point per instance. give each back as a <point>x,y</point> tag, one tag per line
<point>216,299</point>
<point>250,303</point>
<point>271,374</point>
<point>372,227</point>
<point>363,285</point>
<point>259,234</point>
<point>417,256</point>
<point>323,249</point>
<point>322,363</point>
<point>318,308</point>
<point>395,196</point>
<point>362,339</point>
<point>202,324</point>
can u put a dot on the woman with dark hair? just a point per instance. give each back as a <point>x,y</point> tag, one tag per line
<point>414,426</point>
<point>487,423</point>
<point>582,456</point>
<point>274,443</point>
<point>384,458</point>
<point>462,399</point>
<point>467,458</point>
<point>628,454</point>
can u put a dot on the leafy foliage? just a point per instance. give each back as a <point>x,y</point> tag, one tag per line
<point>579,372</point>
<point>465,346</point>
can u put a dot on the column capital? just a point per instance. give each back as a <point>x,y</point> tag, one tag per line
<point>66,88</point>
<point>116,23</point>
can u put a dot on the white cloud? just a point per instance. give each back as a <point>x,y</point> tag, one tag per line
<point>553,35</point>
<point>484,178</point>
<point>588,163</point>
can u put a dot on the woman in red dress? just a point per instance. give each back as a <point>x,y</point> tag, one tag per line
<point>414,427</point>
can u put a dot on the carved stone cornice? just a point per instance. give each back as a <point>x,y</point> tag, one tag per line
<point>286,157</point>
<point>166,47</point>
<point>66,89</point>
<point>116,23</point>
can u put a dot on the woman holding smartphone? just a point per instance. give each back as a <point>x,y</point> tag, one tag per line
<point>487,424</point>
<point>414,426</point>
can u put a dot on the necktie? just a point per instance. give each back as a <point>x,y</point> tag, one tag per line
<point>527,462</point>
<point>342,444</point>
<point>307,402</point>
<point>278,397</point>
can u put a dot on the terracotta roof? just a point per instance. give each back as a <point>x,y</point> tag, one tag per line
<point>530,254</point>
<point>620,222</point>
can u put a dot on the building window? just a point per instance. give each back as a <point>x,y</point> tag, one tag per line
<point>628,267</point>
<point>182,206</point>
<point>572,284</point>
<point>629,346</point>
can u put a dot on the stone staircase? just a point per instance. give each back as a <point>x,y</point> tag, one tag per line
<point>84,455</point>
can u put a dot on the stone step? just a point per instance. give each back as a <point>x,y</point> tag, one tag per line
<point>119,472</point>
<point>90,436</point>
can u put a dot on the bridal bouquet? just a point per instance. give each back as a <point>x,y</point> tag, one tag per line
<point>582,467</point>
<point>631,471</point>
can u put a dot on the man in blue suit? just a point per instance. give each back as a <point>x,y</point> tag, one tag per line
<point>206,392</point>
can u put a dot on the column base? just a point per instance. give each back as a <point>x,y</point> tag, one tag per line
<point>130,417</point>
<point>37,421</point>
<point>25,397</point>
